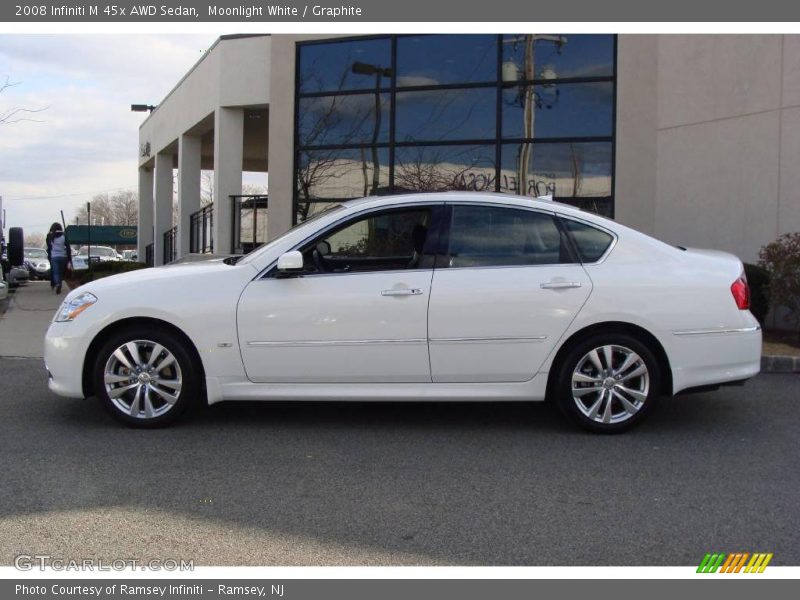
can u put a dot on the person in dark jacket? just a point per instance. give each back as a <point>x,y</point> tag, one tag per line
<point>60,255</point>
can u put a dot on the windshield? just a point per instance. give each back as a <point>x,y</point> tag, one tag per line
<point>35,253</point>
<point>324,213</point>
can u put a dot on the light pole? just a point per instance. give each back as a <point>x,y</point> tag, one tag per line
<point>528,97</point>
<point>360,68</point>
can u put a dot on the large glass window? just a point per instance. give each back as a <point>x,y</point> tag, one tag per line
<point>528,114</point>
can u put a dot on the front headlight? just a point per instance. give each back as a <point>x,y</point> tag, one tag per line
<point>72,308</point>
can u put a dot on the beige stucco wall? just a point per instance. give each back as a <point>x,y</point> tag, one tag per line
<point>215,81</point>
<point>721,141</point>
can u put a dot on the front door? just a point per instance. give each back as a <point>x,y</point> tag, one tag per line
<point>507,290</point>
<point>358,312</point>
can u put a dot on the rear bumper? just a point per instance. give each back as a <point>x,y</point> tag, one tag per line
<point>703,358</point>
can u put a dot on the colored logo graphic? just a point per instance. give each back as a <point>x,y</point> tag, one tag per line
<point>743,562</point>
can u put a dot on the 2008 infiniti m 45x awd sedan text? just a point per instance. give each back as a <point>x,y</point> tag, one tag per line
<point>452,296</point>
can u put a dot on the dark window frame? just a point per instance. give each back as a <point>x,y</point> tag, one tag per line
<point>498,140</point>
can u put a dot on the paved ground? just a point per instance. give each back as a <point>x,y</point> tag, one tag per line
<point>400,484</point>
<point>29,310</point>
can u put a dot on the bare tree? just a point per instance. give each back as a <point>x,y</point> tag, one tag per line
<point>34,240</point>
<point>121,208</point>
<point>16,114</point>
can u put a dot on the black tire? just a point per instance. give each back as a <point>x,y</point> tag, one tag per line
<point>16,246</point>
<point>619,417</point>
<point>187,372</point>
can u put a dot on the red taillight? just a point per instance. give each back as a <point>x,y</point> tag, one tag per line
<point>741,293</point>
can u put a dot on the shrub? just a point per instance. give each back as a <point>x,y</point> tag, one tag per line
<point>758,280</point>
<point>782,259</point>
<point>100,270</point>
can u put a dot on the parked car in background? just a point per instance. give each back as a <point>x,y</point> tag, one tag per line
<point>100,253</point>
<point>440,297</point>
<point>37,263</point>
<point>131,255</point>
<point>80,262</point>
<point>14,275</point>
<point>3,285</point>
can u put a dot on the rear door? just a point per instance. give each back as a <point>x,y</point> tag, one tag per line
<point>504,291</point>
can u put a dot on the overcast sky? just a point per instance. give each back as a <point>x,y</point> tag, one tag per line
<point>88,138</point>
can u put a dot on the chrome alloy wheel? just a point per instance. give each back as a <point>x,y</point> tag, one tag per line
<point>610,384</point>
<point>142,379</point>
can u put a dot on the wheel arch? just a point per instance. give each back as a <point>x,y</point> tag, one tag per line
<point>112,328</point>
<point>640,333</point>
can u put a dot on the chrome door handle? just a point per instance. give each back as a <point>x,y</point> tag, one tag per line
<point>560,285</point>
<point>402,292</point>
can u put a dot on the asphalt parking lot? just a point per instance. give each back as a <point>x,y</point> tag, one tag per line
<point>361,484</point>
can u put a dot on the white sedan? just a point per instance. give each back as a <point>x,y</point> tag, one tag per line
<point>452,296</point>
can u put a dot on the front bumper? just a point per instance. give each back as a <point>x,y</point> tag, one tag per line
<point>63,358</point>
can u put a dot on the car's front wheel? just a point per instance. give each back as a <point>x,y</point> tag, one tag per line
<point>145,377</point>
<point>609,382</point>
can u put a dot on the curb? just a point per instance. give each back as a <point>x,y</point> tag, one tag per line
<point>780,364</point>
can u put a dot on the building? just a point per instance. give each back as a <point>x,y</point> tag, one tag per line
<point>692,138</point>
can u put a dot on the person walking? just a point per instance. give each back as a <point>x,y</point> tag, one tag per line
<point>60,255</point>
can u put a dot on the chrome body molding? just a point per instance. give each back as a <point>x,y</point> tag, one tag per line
<point>721,331</point>
<point>512,339</point>
<point>293,344</point>
<point>312,343</point>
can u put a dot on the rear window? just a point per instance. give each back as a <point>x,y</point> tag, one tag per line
<point>590,242</point>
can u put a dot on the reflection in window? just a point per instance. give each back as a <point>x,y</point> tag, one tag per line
<point>482,236</point>
<point>348,119</point>
<point>590,241</point>
<point>328,67</point>
<point>465,114</point>
<point>388,235</point>
<point>564,170</point>
<point>533,56</point>
<point>443,168</point>
<point>442,59</point>
<point>558,110</point>
<point>312,210</point>
<point>342,174</point>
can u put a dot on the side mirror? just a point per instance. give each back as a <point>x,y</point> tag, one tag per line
<point>290,263</point>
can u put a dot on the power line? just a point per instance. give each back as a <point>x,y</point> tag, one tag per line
<point>119,189</point>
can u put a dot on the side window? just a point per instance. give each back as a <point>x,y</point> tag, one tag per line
<point>385,241</point>
<point>482,236</point>
<point>590,242</point>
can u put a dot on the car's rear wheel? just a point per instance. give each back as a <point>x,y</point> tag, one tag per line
<point>145,377</point>
<point>608,383</point>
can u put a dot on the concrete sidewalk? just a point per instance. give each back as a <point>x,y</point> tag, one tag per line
<point>22,327</point>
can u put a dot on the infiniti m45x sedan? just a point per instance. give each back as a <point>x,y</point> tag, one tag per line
<point>442,297</point>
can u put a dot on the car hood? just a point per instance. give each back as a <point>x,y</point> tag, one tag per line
<point>171,275</point>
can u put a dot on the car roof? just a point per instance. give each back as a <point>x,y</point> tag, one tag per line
<point>482,197</point>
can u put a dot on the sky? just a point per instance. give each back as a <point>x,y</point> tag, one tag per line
<point>87,140</point>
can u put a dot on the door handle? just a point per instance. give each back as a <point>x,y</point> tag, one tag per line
<point>560,285</point>
<point>402,292</point>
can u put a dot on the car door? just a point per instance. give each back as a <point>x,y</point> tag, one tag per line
<point>357,312</point>
<point>504,292</point>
